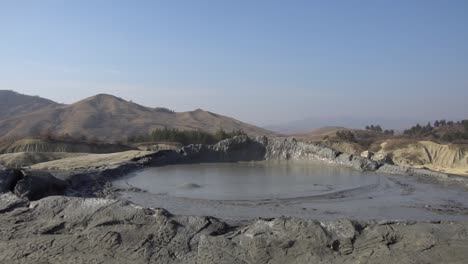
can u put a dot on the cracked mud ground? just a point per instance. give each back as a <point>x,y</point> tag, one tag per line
<point>76,230</point>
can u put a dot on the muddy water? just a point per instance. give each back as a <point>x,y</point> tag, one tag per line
<point>305,190</point>
<point>248,181</point>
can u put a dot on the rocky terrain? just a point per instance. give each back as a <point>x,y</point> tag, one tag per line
<point>38,226</point>
<point>417,151</point>
<point>106,167</point>
<point>76,230</point>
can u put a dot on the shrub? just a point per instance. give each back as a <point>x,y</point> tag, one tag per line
<point>345,135</point>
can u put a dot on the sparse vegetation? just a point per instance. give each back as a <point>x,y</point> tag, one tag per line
<point>378,129</point>
<point>419,130</point>
<point>345,135</point>
<point>440,131</point>
<point>448,131</point>
<point>185,137</point>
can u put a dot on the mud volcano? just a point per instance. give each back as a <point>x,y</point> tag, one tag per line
<point>302,192</point>
<point>250,180</point>
<point>246,190</point>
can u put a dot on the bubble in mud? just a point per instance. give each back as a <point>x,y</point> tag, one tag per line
<point>189,185</point>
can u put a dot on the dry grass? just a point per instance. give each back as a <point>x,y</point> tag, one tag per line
<point>397,143</point>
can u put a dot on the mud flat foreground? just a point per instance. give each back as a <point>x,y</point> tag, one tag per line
<point>76,215</point>
<point>61,229</point>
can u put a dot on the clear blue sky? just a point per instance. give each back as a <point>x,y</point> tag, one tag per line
<point>263,62</point>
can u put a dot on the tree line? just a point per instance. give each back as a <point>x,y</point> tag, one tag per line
<point>185,137</point>
<point>454,130</point>
<point>379,129</point>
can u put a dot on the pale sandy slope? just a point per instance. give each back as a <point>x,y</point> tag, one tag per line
<point>49,145</point>
<point>449,158</point>
<point>22,159</point>
<point>90,160</point>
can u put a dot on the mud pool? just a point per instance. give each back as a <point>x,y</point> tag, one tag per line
<point>247,190</point>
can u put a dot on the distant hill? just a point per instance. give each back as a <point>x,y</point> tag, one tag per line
<point>103,117</point>
<point>14,104</point>
<point>299,126</point>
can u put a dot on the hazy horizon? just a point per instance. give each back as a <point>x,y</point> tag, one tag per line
<point>265,63</point>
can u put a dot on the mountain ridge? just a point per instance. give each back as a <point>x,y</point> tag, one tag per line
<point>105,117</point>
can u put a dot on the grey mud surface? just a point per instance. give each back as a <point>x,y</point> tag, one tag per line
<point>61,229</point>
<point>384,197</point>
<point>88,229</point>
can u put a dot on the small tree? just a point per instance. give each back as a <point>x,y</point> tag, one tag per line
<point>376,128</point>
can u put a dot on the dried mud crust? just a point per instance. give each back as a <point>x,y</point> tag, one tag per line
<point>94,230</point>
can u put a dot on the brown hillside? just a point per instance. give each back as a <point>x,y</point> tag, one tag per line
<point>109,118</point>
<point>13,104</point>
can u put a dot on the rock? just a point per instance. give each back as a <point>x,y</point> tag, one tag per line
<point>35,185</point>
<point>9,202</point>
<point>239,148</point>
<point>340,229</point>
<point>382,158</point>
<point>276,149</point>
<point>356,162</point>
<point>364,164</point>
<point>343,233</point>
<point>8,179</point>
<point>367,154</point>
<point>394,169</point>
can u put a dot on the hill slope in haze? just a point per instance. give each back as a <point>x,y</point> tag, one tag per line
<point>105,117</point>
<point>15,104</point>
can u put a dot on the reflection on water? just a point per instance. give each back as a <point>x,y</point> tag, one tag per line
<point>253,180</point>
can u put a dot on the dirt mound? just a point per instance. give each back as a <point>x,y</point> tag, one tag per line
<point>450,158</point>
<point>22,159</point>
